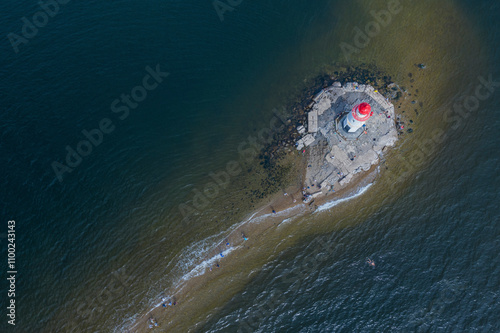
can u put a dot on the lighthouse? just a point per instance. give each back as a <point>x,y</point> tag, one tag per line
<point>357,117</point>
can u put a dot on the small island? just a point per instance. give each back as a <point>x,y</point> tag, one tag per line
<point>348,129</point>
<point>341,141</point>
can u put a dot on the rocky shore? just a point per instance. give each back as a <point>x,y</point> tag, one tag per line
<point>331,169</point>
<point>333,155</point>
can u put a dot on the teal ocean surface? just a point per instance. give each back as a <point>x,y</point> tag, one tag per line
<point>113,215</point>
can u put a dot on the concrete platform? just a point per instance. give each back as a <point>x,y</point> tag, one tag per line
<point>312,121</point>
<point>335,156</point>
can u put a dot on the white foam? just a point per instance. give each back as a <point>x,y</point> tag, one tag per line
<point>188,259</point>
<point>201,268</point>
<point>285,212</point>
<point>331,204</point>
<point>198,270</point>
<point>285,221</point>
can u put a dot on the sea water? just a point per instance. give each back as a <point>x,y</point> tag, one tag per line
<point>101,247</point>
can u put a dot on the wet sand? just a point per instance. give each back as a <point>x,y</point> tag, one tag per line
<point>267,219</point>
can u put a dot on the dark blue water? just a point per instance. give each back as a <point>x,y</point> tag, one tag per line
<point>120,202</point>
<point>436,247</point>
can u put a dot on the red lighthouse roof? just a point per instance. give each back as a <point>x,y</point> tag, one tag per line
<point>362,112</point>
<point>365,109</point>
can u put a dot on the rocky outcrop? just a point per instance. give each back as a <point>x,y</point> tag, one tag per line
<point>334,158</point>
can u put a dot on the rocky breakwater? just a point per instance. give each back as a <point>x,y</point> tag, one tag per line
<point>335,156</point>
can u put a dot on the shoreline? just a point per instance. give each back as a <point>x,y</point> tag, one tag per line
<point>257,223</point>
<point>186,294</point>
<point>191,295</point>
<point>278,209</point>
<point>162,257</point>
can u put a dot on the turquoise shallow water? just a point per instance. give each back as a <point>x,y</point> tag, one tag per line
<point>436,247</point>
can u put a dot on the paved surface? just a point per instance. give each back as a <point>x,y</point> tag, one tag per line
<point>334,160</point>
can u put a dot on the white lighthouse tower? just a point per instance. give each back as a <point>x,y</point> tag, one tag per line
<point>357,117</point>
